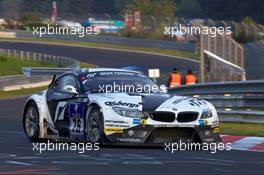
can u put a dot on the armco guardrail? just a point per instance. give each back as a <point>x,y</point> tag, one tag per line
<point>237,101</point>
<point>17,82</point>
<point>7,34</point>
<point>33,56</point>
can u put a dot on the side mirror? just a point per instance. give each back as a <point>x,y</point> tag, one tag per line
<point>70,89</point>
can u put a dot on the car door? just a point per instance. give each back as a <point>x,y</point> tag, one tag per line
<point>66,109</point>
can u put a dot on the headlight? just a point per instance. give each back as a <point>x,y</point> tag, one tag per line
<point>207,113</point>
<point>133,113</point>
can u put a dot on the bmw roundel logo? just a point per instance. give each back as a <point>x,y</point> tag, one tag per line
<point>174,109</point>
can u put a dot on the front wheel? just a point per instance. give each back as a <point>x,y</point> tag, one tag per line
<point>95,126</point>
<point>31,121</point>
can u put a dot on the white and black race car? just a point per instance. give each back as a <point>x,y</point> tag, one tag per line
<point>82,105</point>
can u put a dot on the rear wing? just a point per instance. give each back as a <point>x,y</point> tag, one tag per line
<point>31,71</point>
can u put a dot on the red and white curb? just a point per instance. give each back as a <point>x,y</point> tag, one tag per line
<point>244,143</point>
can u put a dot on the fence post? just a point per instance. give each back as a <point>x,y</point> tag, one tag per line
<point>201,58</point>
<point>15,54</point>
<point>34,56</point>
<point>21,55</point>
<point>27,55</point>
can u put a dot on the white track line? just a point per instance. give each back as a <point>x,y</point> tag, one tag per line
<point>19,163</point>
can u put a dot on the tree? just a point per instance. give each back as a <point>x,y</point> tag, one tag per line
<point>156,8</point>
<point>155,14</point>
<point>30,18</point>
<point>189,9</point>
<point>249,20</point>
<point>12,8</point>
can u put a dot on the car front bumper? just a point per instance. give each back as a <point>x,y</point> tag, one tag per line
<point>148,134</point>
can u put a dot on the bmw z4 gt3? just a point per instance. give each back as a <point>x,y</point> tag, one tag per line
<point>82,105</point>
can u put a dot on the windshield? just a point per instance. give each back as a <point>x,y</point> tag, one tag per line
<point>118,81</point>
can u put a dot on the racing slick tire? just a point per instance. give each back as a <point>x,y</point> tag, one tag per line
<point>31,122</point>
<point>95,126</point>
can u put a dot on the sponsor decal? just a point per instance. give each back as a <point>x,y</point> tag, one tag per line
<point>173,125</point>
<point>203,122</point>
<point>216,130</point>
<point>120,103</point>
<point>110,73</point>
<point>115,121</point>
<point>116,130</point>
<point>143,121</point>
<point>59,114</point>
<point>161,140</point>
<point>136,140</point>
<point>215,124</point>
<point>116,124</point>
<point>208,139</point>
<point>136,121</point>
<point>76,120</point>
<point>91,75</point>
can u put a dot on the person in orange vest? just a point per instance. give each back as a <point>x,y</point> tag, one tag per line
<point>190,78</point>
<point>175,78</point>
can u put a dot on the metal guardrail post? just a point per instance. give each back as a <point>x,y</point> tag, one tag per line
<point>8,53</point>
<point>34,56</point>
<point>21,55</point>
<point>28,55</point>
<point>14,53</point>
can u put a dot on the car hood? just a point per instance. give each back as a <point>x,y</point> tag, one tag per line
<point>150,102</point>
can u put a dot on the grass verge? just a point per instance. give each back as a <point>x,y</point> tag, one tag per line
<point>7,94</point>
<point>87,65</point>
<point>242,129</point>
<point>12,66</point>
<point>178,53</point>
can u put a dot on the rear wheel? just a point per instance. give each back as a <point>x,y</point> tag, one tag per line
<point>95,126</point>
<point>31,121</point>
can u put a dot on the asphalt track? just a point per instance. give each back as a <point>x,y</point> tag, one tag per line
<point>113,40</point>
<point>106,58</point>
<point>17,155</point>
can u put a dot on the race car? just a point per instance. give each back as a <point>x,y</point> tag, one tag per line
<point>104,105</point>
